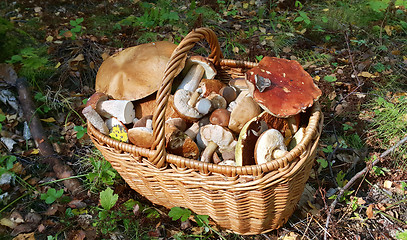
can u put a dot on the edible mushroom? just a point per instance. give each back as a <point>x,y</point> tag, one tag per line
<point>183,108</point>
<point>200,68</point>
<point>135,72</point>
<point>244,110</point>
<point>214,136</point>
<point>269,146</point>
<point>282,87</point>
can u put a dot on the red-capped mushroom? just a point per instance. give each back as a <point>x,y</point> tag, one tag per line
<point>282,87</point>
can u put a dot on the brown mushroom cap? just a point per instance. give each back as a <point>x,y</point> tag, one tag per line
<point>291,89</point>
<point>135,72</point>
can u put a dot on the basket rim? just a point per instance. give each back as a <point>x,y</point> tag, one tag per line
<point>181,162</point>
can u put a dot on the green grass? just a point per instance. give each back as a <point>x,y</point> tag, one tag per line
<point>388,125</point>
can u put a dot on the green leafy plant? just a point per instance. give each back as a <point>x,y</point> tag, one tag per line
<point>76,29</point>
<point>380,171</point>
<point>102,173</point>
<point>330,78</point>
<point>2,119</point>
<point>30,58</point>
<point>303,17</point>
<point>80,131</point>
<point>108,199</point>
<point>179,213</point>
<point>6,163</point>
<point>51,195</point>
<point>402,235</point>
<point>322,162</point>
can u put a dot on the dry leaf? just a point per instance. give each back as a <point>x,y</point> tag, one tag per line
<point>27,236</point>
<point>58,65</point>
<point>369,211</point>
<point>286,49</point>
<point>78,58</point>
<point>67,34</point>
<point>361,201</point>
<point>8,223</point>
<point>291,236</point>
<point>48,120</point>
<point>317,78</point>
<point>366,75</point>
<point>104,55</point>
<point>388,29</point>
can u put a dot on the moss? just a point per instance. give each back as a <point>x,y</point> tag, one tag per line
<point>11,40</point>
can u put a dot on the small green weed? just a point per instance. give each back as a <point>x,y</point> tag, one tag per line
<point>2,119</point>
<point>108,199</point>
<point>80,131</point>
<point>52,195</point>
<point>6,163</point>
<point>75,31</point>
<point>388,124</point>
<point>101,171</point>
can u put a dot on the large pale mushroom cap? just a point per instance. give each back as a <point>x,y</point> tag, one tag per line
<point>282,87</point>
<point>135,72</point>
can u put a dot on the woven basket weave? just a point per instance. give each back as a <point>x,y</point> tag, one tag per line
<point>247,200</point>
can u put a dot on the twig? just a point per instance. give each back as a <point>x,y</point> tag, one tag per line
<point>357,176</point>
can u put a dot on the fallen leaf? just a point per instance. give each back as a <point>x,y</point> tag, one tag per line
<point>48,120</point>
<point>33,217</point>
<point>366,75</point>
<point>23,228</point>
<point>105,55</point>
<point>37,9</point>
<point>291,236</point>
<point>58,65</point>
<point>27,236</point>
<point>361,201</point>
<point>286,49</point>
<point>317,78</point>
<point>369,211</point>
<point>78,58</point>
<point>41,228</point>
<point>77,204</point>
<point>8,223</point>
<point>388,29</point>
<point>68,34</point>
<point>49,39</point>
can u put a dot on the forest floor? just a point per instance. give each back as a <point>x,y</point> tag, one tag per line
<point>356,51</point>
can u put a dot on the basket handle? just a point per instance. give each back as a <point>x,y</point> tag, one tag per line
<point>173,65</point>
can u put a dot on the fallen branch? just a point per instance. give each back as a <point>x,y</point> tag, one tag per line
<point>357,176</point>
<point>61,170</point>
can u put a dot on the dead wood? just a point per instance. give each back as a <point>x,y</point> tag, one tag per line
<point>61,170</point>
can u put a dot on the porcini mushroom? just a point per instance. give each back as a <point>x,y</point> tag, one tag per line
<point>282,87</point>
<point>220,117</point>
<point>244,110</point>
<point>250,133</point>
<point>209,86</point>
<point>135,72</point>
<point>200,68</point>
<point>121,109</point>
<point>179,143</point>
<point>214,136</point>
<point>185,110</point>
<point>95,119</point>
<point>269,146</point>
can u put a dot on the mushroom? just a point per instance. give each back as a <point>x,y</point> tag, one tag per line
<point>121,109</point>
<point>146,106</point>
<point>214,136</point>
<point>228,93</point>
<point>117,129</point>
<point>135,72</point>
<point>297,138</point>
<point>209,86</point>
<point>204,105</point>
<point>220,117</point>
<point>250,133</point>
<point>95,119</point>
<point>200,67</point>
<point>244,110</point>
<point>177,122</point>
<point>239,84</point>
<point>269,146</point>
<point>282,87</point>
<point>186,111</point>
<point>217,101</point>
<point>179,143</point>
<point>141,134</point>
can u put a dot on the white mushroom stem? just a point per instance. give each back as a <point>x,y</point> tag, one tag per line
<point>95,119</point>
<point>194,99</point>
<point>208,152</point>
<point>193,130</point>
<point>121,109</point>
<point>192,78</point>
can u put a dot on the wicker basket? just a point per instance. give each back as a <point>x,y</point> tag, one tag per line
<point>247,200</point>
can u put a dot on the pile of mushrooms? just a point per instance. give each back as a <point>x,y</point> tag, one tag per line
<point>245,121</point>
